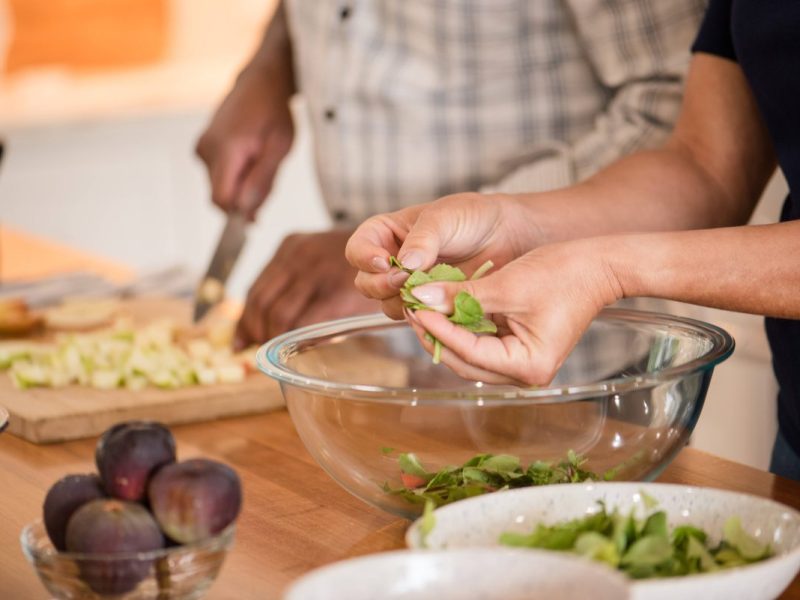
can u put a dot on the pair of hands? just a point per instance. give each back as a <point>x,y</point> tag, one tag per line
<point>308,280</point>
<point>542,299</point>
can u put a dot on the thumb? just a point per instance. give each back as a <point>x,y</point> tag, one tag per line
<point>421,246</point>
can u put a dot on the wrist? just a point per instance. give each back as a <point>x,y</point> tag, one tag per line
<point>634,263</point>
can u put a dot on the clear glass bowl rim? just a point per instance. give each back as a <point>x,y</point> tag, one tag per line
<point>268,359</point>
<point>218,542</point>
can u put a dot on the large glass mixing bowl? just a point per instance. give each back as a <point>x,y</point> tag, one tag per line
<point>362,393</point>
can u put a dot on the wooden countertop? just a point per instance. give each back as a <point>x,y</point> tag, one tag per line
<point>295,517</point>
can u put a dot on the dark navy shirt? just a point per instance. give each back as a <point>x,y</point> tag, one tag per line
<point>763,36</point>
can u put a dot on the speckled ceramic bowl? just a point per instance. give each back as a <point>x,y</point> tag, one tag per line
<point>474,573</point>
<point>478,522</point>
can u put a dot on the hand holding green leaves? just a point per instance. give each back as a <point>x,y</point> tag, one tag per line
<point>467,311</point>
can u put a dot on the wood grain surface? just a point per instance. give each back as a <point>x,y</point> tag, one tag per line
<point>295,517</point>
<point>46,415</point>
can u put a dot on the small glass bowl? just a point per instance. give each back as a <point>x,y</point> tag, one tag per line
<point>179,572</point>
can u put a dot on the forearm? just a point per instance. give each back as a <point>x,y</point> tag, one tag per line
<point>754,269</point>
<point>273,58</point>
<point>710,173</point>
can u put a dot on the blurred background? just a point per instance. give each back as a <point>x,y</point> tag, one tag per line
<point>101,102</point>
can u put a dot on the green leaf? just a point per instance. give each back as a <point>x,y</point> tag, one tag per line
<point>748,546</point>
<point>696,550</point>
<point>598,547</point>
<point>656,524</point>
<point>393,262</point>
<point>648,551</point>
<point>681,535</point>
<point>466,309</point>
<point>649,502</point>
<point>444,272</point>
<point>386,450</point>
<point>501,463</point>
<point>418,278</point>
<point>410,464</point>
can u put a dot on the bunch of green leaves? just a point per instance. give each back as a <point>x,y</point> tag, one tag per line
<point>481,474</point>
<point>644,548</point>
<point>467,311</point>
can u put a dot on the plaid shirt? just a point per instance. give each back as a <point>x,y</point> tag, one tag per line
<point>410,100</point>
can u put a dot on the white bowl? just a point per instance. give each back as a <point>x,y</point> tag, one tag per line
<point>473,573</point>
<point>480,521</point>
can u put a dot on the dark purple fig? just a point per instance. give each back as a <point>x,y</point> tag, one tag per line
<point>195,499</point>
<point>109,527</point>
<point>129,454</point>
<point>66,496</point>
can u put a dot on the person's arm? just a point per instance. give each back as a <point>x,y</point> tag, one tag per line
<point>252,131</point>
<point>710,174</point>
<point>639,52</point>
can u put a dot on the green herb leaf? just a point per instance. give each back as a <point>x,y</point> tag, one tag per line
<point>410,464</point>
<point>466,309</point>
<point>642,549</point>
<point>598,547</point>
<point>748,546</point>
<point>649,550</point>
<point>444,272</point>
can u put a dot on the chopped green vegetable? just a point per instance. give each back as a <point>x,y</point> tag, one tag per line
<point>467,311</point>
<point>428,522</point>
<point>481,474</point>
<point>644,548</point>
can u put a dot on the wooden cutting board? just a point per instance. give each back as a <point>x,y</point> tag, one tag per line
<point>44,415</point>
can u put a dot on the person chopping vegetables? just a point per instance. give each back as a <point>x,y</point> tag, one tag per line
<point>411,100</point>
<point>667,223</point>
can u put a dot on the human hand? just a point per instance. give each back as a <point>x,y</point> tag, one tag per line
<point>542,303</point>
<point>247,138</point>
<point>463,230</point>
<point>307,281</point>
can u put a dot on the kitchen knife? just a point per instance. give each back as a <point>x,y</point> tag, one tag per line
<point>211,290</point>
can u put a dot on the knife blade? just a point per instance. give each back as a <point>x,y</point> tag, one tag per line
<point>211,290</point>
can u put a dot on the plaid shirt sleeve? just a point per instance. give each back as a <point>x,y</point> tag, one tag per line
<point>639,51</point>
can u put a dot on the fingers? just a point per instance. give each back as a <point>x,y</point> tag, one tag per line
<point>259,176</point>
<point>226,170</point>
<point>371,245</point>
<point>451,360</point>
<point>289,307</point>
<point>420,247</point>
<point>506,358</point>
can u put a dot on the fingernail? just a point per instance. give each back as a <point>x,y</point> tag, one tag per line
<point>381,264</point>
<point>398,278</point>
<point>430,294</point>
<point>412,260</point>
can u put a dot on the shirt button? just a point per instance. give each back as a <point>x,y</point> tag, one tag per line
<point>345,12</point>
<point>330,114</point>
<point>340,215</point>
